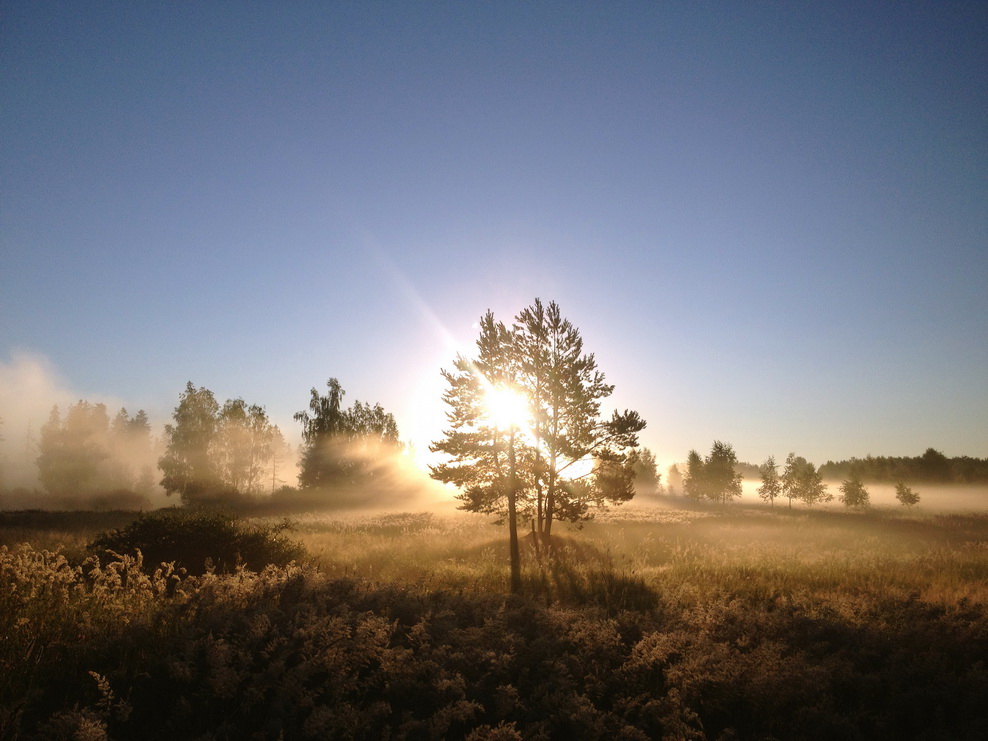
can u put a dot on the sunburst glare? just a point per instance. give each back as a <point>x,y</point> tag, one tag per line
<point>507,407</point>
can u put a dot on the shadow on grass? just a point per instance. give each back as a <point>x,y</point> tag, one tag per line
<point>574,573</point>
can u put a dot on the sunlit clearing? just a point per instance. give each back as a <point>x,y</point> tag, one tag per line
<point>507,408</point>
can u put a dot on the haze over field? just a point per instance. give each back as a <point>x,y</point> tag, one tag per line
<point>770,224</point>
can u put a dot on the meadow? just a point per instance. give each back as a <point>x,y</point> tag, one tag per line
<point>658,620</point>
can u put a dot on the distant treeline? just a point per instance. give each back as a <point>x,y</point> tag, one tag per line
<point>932,467</point>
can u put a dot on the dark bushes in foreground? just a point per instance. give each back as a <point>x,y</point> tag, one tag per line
<point>195,538</point>
<point>289,653</point>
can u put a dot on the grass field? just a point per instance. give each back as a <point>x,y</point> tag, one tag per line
<point>652,621</point>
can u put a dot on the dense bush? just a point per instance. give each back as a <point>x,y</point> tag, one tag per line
<point>194,539</point>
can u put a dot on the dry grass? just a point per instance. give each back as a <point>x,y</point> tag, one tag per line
<point>649,622</point>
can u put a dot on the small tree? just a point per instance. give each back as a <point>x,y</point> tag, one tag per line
<point>801,480</point>
<point>564,389</point>
<point>906,495</point>
<point>694,483</point>
<point>723,483</point>
<point>812,488</point>
<point>771,486</point>
<point>853,492</point>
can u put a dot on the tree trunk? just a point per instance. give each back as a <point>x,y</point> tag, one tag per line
<point>550,501</point>
<point>513,519</point>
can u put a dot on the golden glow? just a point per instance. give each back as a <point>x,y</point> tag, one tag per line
<point>507,408</point>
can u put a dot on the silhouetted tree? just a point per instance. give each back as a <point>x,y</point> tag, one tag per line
<point>771,486</point>
<point>567,459</point>
<point>484,451</point>
<point>853,493</point>
<point>565,390</point>
<point>906,495</point>
<point>215,453</point>
<point>340,445</point>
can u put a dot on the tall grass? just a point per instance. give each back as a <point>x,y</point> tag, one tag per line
<point>702,622</point>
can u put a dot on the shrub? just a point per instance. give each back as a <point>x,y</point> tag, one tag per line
<point>200,540</point>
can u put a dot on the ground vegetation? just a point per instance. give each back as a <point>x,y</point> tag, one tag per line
<point>690,622</point>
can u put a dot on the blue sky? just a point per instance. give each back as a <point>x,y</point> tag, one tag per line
<point>769,220</point>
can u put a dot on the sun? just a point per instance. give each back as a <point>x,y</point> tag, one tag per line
<point>507,407</point>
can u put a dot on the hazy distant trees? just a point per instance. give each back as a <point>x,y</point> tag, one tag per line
<point>282,459</point>
<point>243,445</point>
<point>931,467</point>
<point>906,495</point>
<point>713,477</point>
<point>802,481</point>
<point>771,486</point>
<point>215,453</point>
<point>188,466</point>
<point>343,447</point>
<point>72,450</point>
<point>854,493</point>
<point>83,455</point>
<point>648,479</point>
<point>559,457</point>
<point>674,479</point>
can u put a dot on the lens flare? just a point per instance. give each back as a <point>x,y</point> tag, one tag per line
<point>507,408</point>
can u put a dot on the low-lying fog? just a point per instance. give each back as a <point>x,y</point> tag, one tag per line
<point>935,497</point>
